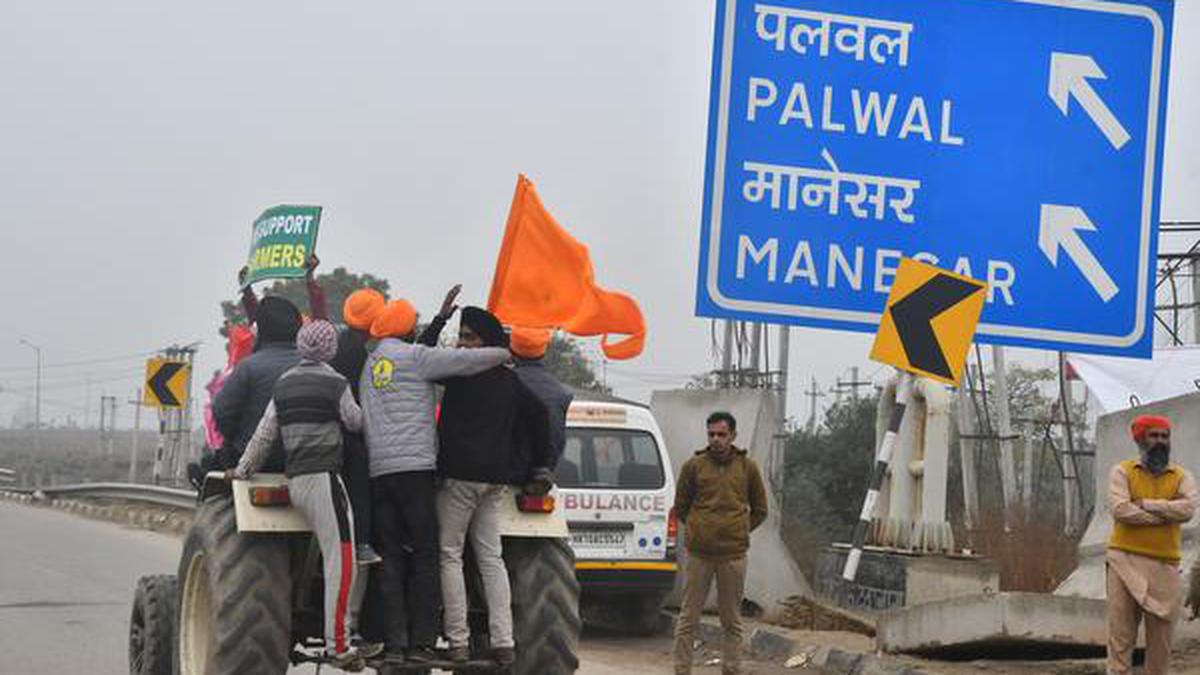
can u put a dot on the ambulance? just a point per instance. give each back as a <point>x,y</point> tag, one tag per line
<point>616,488</point>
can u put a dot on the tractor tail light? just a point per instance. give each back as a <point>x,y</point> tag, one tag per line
<point>535,504</point>
<point>276,495</point>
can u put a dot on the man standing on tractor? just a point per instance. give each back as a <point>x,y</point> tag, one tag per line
<point>721,499</point>
<point>239,406</point>
<point>359,311</point>
<point>529,355</point>
<point>311,402</point>
<point>484,417</point>
<point>239,398</point>
<point>399,397</point>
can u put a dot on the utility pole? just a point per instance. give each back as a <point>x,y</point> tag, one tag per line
<point>726,379</point>
<point>87,401</point>
<point>1070,475</point>
<point>756,339</point>
<point>108,423</point>
<point>137,431</point>
<point>112,423</point>
<point>189,353</point>
<point>1008,473</point>
<point>103,437</point>
<point>967,435</point>
<point>37,408</point>
<point>175,433</point>
<point>1195,264</point>
<point>785,338</point>
<point>161,449</point>
<point>813,394</point>
<point>850,386</point>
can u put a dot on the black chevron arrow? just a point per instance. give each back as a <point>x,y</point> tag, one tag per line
<point>158,384</point>
<point>913,314</point>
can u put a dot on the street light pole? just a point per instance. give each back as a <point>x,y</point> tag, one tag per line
<point>37,409</point>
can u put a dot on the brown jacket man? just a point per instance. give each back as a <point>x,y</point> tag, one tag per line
<point>720,498</point>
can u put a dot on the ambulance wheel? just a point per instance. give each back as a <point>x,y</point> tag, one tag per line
<point>545,594</point>
<point>650,619</point>
<point>235,598</point>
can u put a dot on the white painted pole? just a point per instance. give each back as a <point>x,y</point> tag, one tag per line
<point>904,387</point>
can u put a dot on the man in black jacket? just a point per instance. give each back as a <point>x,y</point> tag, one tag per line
<point>239,406</point>
<point>484,419</point>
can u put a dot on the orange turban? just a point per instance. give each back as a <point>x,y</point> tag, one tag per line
<point>1144,423</point>
<point>362,307</point>
<point>530,343</point>
<point>396,319</point>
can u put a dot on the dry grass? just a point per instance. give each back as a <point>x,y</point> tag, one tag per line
<point>1034,555</point>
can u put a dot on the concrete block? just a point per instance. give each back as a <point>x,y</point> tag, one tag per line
<point>840,661</point>
<point>977,626</point>
<point>873,665</point>
<point>767,645</point>
<point>889,580</point>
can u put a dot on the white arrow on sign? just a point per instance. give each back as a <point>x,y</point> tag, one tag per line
<point>1069,74</point>
<point>1060,229</point>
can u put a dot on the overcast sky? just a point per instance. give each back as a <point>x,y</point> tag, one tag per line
<point>139,139</point>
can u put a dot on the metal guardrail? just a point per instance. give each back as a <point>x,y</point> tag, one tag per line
<point>150,494</point>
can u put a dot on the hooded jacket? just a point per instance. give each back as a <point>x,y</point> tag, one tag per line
<point>239,406</point>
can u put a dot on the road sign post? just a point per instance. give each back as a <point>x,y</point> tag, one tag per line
<point>1014,141</point>
<point>927,326</point>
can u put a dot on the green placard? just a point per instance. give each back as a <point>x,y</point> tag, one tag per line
<point>281,241</point>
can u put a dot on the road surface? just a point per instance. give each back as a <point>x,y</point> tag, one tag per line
<point>66,584</point>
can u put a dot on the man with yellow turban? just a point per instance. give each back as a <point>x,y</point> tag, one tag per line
<point>1149,498</point>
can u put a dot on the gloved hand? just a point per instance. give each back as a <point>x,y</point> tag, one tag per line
<point>540,481</point>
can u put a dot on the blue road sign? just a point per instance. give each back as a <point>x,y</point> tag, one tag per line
<point>1014,141</point>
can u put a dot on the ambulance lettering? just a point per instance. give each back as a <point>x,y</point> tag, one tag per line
<point>616,502</point>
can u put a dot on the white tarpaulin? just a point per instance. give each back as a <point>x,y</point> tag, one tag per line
<point>1119,383</point>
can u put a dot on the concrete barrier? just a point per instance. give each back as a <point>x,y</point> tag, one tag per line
<point>1007,625</point>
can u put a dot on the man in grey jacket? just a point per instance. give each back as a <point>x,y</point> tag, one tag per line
<point>398,395</point>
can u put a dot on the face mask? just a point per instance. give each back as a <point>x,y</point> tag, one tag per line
<point>1158,456</point>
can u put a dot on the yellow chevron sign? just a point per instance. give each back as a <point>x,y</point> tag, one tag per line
<point>167,383</point>
<point>929,322</point>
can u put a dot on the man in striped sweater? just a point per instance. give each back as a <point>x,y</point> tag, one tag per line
<point>310,404</point>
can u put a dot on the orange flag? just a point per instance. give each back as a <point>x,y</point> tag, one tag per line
<point>544,279</point>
